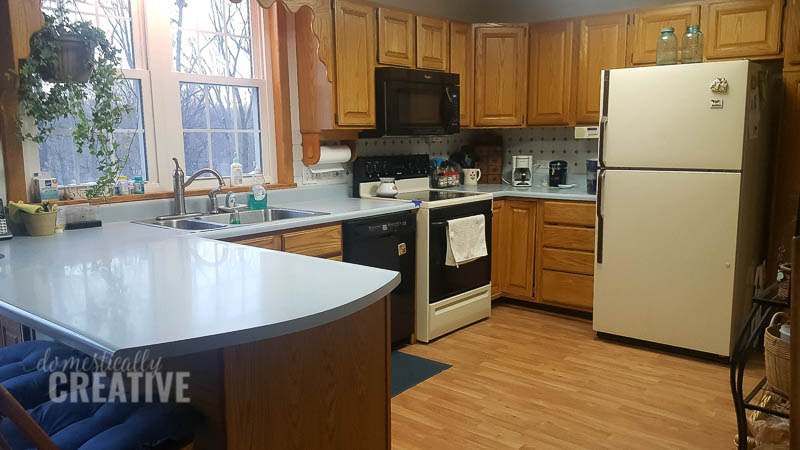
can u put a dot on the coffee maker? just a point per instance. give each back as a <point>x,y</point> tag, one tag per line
<point>521,175</point>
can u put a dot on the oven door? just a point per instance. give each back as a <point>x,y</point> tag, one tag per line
<point>415,108</point>
<point>446,281</point>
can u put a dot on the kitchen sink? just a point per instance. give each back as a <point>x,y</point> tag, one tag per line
<point>217,221</point>
<point>259,216</point>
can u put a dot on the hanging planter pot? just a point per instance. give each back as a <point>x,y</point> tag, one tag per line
<point>73,61</point>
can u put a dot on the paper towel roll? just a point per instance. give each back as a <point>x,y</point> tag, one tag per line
<point>329,154</point>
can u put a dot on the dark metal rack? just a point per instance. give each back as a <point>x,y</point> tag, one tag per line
<point>765,304</point>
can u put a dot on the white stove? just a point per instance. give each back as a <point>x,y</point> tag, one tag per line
<point>447,298</point>
<point>416,190</point>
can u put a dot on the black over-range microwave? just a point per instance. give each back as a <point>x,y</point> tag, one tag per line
<point>415,103</point>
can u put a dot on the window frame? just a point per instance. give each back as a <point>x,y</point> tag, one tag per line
<point>166,97</point>
<point>161,99</point>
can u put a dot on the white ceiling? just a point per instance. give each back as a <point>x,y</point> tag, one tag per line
<point>518,10</point>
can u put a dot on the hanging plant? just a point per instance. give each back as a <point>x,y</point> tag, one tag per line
<point>63,53</point>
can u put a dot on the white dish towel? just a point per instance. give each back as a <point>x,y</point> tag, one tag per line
<point>466,240</point>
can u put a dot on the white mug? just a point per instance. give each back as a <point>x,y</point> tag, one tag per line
<point>471,176</point>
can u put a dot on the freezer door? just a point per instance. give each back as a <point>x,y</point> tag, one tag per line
<point>669,248</point>
<point>662,117</point>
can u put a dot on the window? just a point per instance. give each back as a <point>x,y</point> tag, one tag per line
<point>57,155</point>
<point>209,84</point>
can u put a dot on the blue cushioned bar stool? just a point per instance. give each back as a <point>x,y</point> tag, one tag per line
<point>32,420</point>
<point>22,376</point>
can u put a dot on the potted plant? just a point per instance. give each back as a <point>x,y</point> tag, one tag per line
<point>63,53</point>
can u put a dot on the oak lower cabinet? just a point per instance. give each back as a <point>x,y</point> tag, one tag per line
<point>543,252</point>
<point>742,28</point>
<point>501,75</point>
<point>355,64</point>
<point>602,42</point>
<point>499,246</point>
<point>550,63</point>
<point>396,38</point>
<point>565,254</point>
<point>647,25</point>
<point>321,242</point>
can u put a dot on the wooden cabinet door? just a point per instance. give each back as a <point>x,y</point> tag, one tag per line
<point>461,59</point>
<point>355,64</point>
<point>742,28</point>
<point>272,242</point>
<point>792,36</point>
<point>501,67</point>
<point>550,73</point>
<point>433,45</point>
<point>499,247</point>
<point>321,242</point>
<point>519,232</point>
<point>602,46</point>
<point>396,45</point>
<point>647,24</point>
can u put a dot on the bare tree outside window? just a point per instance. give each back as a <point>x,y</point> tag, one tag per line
<point>213,38</point>
<point>58,154</point>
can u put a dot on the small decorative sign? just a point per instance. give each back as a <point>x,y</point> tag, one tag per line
<point>717,103</point>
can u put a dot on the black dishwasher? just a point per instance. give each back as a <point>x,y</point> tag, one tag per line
<point>387,242</point>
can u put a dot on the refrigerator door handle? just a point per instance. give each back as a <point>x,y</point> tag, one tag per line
<point>602,140</point>
<point>600,182</point>
<point>604,117</point>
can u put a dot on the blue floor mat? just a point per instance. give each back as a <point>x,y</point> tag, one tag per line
<point>409,370</point>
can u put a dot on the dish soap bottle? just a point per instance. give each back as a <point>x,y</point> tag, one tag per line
<point>237,178</point>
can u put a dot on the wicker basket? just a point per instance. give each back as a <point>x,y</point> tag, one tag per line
<point>777,356</point>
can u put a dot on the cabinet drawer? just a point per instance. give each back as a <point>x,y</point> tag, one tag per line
<point>569,213</point>
<point>568,289</point>
<point>268,242</point>
<point>326,241</point>
<point>574,238</point>
<point>568,260</point>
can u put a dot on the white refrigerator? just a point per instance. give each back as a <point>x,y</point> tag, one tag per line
<point>684,153</point>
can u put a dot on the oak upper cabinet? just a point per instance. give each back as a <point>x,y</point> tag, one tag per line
<point>396,38</point>
<point>550,64</point>
<point>355,64</point>
<point>647,25</point>
<point>499,247</point>
<point>501,81</point>
<point>791,35</point>
<point>602,46</point>
<point>433,43</point>
<point>461,63</point>
<point>742,28</point>
<point>519,217</point>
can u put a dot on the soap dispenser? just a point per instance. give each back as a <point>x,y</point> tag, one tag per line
<point>237,177</point>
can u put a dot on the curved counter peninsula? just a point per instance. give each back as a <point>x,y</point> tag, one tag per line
<point>284,351</point>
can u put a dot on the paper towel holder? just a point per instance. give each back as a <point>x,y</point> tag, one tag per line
<point>312,140</point>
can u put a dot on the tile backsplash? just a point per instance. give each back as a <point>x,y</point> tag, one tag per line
<point>549,144</point>
<point>545,144</point>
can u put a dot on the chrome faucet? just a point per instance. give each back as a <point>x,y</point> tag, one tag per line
<point>179,187</point>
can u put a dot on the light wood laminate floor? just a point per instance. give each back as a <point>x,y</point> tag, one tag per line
<point>532,379</point>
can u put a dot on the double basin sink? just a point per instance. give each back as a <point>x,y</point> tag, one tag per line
<point>222,220</point>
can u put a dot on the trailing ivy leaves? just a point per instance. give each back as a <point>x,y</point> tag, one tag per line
<point>46,103</point>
